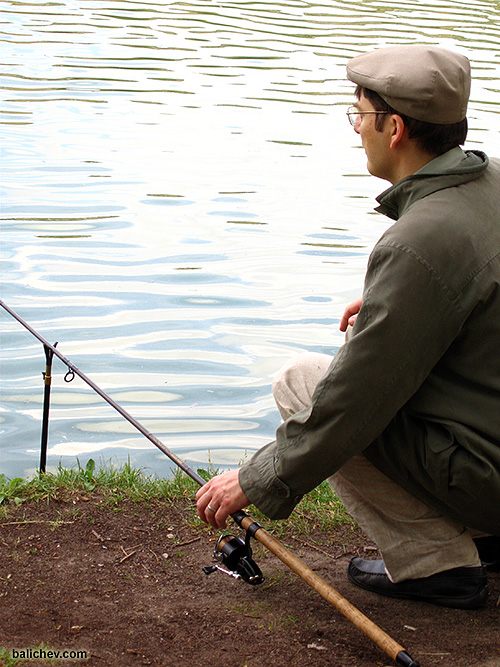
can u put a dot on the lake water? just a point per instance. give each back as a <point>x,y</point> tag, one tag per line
<point>184,207</point>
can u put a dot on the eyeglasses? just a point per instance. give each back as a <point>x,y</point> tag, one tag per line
<point>355,117</point>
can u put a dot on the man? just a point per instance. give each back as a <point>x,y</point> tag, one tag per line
<point>405,420</point>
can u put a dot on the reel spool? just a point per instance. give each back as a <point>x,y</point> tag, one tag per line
<point>235,554</point>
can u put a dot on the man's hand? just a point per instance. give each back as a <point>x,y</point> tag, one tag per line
<point>350,314</point>
<point>219,498</point>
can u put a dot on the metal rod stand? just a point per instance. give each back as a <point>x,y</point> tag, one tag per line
<point>47,380</point>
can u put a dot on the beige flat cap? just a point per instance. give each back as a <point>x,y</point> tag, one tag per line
<point>423,82</point>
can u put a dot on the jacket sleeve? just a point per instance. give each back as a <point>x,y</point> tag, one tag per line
<point>408,319</point>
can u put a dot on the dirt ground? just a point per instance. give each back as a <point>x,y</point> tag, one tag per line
<point>126,585</point>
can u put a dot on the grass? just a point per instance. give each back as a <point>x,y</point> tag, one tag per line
<point>116,484</point>
<point>321,508</point>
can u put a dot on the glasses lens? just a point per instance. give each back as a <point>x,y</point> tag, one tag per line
<point>353,115</point>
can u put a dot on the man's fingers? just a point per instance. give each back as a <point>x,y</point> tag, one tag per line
<point>219,498</point>
<point>208,507</point>
<point>350,313</point>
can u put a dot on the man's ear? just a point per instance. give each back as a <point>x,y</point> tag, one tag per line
<point>397,129</point>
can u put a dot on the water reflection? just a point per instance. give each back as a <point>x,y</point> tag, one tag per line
<point>184,207</point>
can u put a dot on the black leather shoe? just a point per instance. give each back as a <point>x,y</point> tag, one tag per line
<point>488,549</point>
<point>462,587</point>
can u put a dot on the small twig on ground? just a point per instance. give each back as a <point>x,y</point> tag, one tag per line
<point>127,556</point>
<point>20,523</point>
<point>183,544</point>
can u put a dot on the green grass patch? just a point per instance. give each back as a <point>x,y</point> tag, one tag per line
<point>115,484</point>
<point>319,509</point>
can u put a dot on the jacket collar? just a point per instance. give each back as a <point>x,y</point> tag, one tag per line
<point>450,169</point>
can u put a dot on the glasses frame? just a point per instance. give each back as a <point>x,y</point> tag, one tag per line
<point>355,116</point>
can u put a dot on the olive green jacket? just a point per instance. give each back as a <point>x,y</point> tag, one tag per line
<point>417,386</point>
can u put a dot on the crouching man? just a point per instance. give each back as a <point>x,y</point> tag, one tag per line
<point>405,420</point>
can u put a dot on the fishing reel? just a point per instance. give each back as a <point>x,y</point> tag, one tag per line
<point>235,554</point>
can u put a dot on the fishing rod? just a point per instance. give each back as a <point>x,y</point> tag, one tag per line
<point>234,553</point>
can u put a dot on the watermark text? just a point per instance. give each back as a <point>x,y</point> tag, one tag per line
<point>48,654</point>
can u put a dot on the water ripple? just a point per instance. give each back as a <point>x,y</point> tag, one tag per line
<point>184,206</point>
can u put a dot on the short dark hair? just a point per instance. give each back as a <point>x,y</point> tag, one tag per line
<point>429,137</point>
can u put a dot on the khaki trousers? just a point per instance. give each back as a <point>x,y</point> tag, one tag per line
<point>414,540</point>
